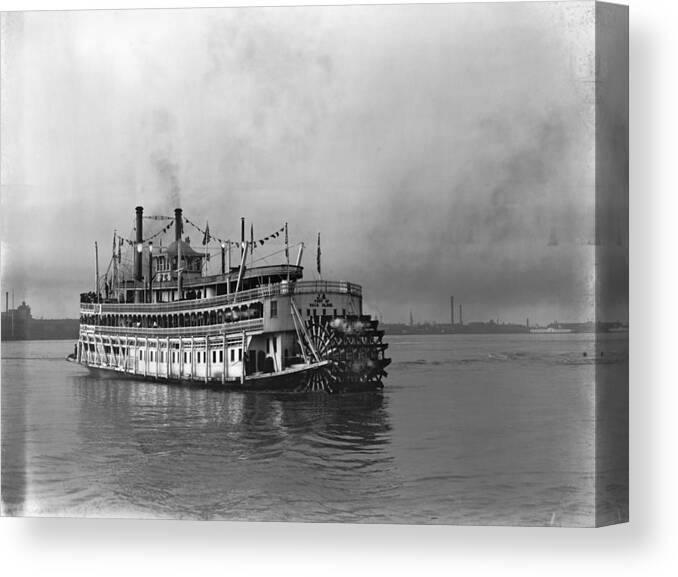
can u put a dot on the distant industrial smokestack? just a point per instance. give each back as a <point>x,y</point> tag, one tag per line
<point>452,311</point>
<point>461,318</point>
<point>140,239</point>
<point>7,302</point>
<point>178,224</point>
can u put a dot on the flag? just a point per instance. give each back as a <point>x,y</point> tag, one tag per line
<point>318,254</point>
<point>206,236</point>
<point>287,247</point>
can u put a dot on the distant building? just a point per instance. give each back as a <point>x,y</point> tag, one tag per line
<point>19,325</point>
<point>16,322</point>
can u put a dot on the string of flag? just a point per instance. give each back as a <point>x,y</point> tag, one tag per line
<point>207,236</point>
<point>151,217</point>
<point>150,238</point>
<point>162,231</point>
<point>276,234</point>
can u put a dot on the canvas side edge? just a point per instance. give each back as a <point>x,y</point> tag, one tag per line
<point>611,395</point>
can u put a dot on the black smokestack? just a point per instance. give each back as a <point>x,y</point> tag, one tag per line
<point>7,302</point>
<point>452,310</point>
<point>178,224</point>
<point>461,319</point>
<point>140,239</point>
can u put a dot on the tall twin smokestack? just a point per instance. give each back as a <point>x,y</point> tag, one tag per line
<point>140,239</point>
<point>178,224</point>
<point>178,230</point>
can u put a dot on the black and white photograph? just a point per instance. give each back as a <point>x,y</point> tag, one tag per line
<point>334,264</point>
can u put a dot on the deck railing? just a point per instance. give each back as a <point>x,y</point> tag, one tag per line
<point>252,325</point>
<point>267,291</point>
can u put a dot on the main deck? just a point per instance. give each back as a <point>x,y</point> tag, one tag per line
<point>224,338</point>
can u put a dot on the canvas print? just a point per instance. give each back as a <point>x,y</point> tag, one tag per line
<point>361,264</point>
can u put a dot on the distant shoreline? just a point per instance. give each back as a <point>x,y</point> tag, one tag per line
<point>69,338</point>
<point>502,329</point>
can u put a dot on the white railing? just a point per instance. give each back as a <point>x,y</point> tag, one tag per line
<point>252,325</point>
<point>267,291</point>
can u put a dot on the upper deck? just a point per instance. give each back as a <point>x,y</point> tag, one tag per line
<point>194,286</point>
<point>170,287</point>
<point>260,293</point>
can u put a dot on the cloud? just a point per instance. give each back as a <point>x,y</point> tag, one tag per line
<point>436,148</point>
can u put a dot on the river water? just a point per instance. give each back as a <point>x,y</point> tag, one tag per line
<point>469,429</point>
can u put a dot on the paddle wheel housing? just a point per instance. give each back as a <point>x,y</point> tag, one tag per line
<point>355,348</point>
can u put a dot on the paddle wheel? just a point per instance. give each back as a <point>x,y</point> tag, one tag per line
<point>355,348</point>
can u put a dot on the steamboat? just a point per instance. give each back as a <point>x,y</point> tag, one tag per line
<point>245,327</point>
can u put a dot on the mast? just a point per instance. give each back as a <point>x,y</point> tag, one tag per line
<point>242,267</point>
<point>114,283</point>
<point>287,253</point>
<point>140,239</point>
<point>120,276</point>
<point>251,244</point>
<point>228,278</point>
<point>96,270</point>
<point>301,252</point>
<point>242,235</point>
<point>150,271</point>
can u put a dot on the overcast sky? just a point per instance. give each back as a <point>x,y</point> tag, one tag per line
<point>437,148</point>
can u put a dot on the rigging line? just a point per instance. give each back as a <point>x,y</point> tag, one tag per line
<point>161,231</point>
<point>291,246</point>
<point>273,235</point>
<point>212,237</point>
<point>110,262</point>
<point>148,238</point>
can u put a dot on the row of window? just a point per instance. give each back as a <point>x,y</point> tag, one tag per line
<point>254,310</point>
<point>238,313</point>
<point>201,356</point>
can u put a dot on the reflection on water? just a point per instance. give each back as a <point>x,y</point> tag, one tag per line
<point>361,418</point>
<point>185,451</point>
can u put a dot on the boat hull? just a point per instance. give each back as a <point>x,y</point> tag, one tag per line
<point>294,379</point>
